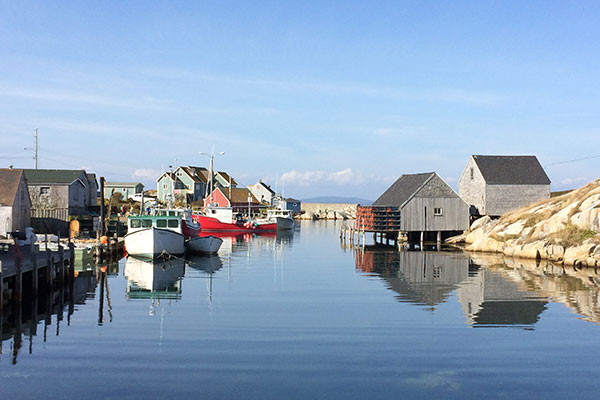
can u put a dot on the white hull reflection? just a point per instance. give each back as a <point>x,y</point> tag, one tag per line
<point>152,278</point>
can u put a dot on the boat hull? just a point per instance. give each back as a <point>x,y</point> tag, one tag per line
<point>285,223</point>
<point>210,224</point>
<point>204,245</point>
<point>152,242</point>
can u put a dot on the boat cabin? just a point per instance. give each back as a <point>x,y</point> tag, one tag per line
<point>140,222</point>
<point>280,213</point>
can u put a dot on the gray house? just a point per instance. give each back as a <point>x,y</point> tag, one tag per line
<point>15,206</point>
<point>57,193</point>
<point>494,185</point>
<point>427,204</point>
<point>127,189</point>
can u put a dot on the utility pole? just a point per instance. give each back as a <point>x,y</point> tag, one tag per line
<point>36,148</point>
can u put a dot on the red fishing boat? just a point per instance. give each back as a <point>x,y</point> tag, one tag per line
<point>217,219</point>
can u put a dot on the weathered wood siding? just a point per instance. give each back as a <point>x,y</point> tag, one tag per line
<point>418,214</point>
<point>471,187</point>
<point>503,198</point>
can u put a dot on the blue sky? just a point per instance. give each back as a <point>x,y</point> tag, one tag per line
<point>336,98</point>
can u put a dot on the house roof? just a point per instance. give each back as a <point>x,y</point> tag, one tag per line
<point>9,185</point>
<point>403,189</point>
<point>238,195</point>
<point>266,187</point>
<point>511,170</point>
<point>226,177</point>
<point>52,176</point>
<point>122,184</point>
<point>198,174</point>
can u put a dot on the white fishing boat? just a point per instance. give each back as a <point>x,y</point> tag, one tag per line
<point>204,244</point>
<point>283,218</point>
<point>150,236</point>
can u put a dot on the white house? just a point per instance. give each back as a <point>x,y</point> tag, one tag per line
<point>15,205</point>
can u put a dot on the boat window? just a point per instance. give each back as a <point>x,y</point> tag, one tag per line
<point>173,223</point>
<point>161,223</point>
<point>135,223</point>
<point>146,223</point>
<point>172,213</point>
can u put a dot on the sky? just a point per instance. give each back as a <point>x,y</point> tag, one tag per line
<point>314,97</point>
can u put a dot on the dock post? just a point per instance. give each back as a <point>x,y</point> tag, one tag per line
<point>422,239</point>
<point>34,271</point>
<point>61,262</point>
<point>439,240</point>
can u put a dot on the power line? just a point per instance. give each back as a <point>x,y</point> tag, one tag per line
<point>570,161</point>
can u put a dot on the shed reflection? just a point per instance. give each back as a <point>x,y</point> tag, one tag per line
<point>429,278</point>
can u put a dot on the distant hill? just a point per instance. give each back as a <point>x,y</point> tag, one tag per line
<point>338,199</point>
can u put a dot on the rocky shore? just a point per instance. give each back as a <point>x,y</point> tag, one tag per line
<point>337,211</point>
<point>563,230</point>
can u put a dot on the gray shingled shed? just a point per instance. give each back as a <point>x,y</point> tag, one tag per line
<point>427,204</point>
<point>494,185</point>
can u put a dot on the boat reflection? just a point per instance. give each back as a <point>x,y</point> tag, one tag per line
<point>428,278</point>
<point>208,264</point>
<point>154,279</point>
<point>240,241</point>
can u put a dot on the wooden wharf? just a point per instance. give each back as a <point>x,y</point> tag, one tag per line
<point>34,284</point>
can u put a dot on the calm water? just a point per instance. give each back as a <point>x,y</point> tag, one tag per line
<point>297,317</point>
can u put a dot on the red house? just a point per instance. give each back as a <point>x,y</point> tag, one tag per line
<point>236,198</point>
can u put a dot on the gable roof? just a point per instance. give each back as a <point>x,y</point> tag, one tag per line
<point>267,187</point>
<point>198,174</point>
<point>226,177</point>
<point>511,170</point>
<point>408,186</point>
<point>9,185</point>
<point>238,195</point>
<point>53,176</point>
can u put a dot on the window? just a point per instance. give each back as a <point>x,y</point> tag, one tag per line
<point>161,223</point>
<point>472,174</point>
<point>173,223</point>
<point>146,223</point>
<point>135,223</point>
<point>438,211</point>
<point>165,186</point>
<point>45,190</point>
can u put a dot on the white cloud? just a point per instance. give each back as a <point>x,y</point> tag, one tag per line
<point>306,178</point>
<point>67,96</point>
<point>571,181</point>
<point>342,177</point>
<point>146,173</point>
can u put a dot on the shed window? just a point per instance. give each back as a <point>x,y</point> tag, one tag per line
<point>438,211</point>
<point>472,174</point>
<point>45,190</point>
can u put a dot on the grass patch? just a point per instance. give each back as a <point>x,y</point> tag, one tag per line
<point>572,236</point>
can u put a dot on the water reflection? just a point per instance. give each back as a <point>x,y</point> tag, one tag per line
<point>47,307</point>
<point>155,279</point>
<point>428,278</point>
<point>578,289</point>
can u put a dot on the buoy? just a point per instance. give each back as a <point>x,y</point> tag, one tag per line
<point>104,239</point>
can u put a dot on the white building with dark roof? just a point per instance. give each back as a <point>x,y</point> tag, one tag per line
<point>262,192</point>
<point>494,185</point>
